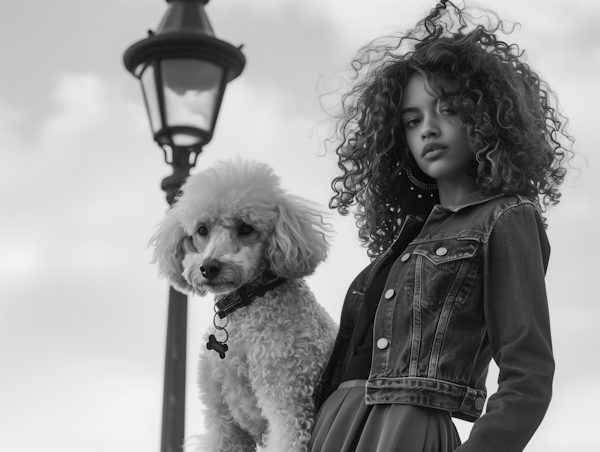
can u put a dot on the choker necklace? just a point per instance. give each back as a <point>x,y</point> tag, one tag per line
<point>417,183</point>
<point>239,298</point>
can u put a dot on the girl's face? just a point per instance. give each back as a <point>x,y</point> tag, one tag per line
<point>434,133</point>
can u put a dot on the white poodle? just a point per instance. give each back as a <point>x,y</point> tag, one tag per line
<point>235,232</point>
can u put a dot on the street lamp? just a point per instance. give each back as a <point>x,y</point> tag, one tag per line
<point>183,70</point>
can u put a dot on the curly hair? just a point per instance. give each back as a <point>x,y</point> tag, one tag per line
<point>509,114</point>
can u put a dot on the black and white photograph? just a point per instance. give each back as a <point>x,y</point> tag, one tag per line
<point>299,225</point>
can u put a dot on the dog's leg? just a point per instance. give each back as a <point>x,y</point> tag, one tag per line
<point>227,429</point>
<point>286,402</point>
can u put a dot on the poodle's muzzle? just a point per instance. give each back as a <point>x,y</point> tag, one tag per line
<point>210,268</point>
<point>222,261</point>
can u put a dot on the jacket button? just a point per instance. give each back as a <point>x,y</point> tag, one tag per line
<point>479,403</point>
<point>382,343</point>
<point>405,257</point>
<point>441,251</point>
<point>389,294</point>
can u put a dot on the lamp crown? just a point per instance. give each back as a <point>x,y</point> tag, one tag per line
<point>186,16</point>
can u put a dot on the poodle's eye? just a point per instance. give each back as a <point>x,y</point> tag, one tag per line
<point>246,229</point>
<point>203,230</point>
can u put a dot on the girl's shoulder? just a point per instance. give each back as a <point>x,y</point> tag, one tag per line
<point>516,204</point>
<point>514,214</point>
<point>497,205</point>
<point>481,205</point>
<point>482,217</point>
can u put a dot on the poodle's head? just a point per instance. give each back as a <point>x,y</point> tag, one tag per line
<point>233,221</point>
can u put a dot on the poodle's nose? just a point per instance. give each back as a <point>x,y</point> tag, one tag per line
<point>210,268</point>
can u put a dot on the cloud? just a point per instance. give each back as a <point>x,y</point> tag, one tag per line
<point>76,289</point>
<point>74,181</point>
<point>287,45</point>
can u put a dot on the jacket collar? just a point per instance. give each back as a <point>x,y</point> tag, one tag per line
<point>471,200</point>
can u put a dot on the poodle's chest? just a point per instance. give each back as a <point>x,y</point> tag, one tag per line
<point>274,327</point>
<point>266,317</point>
<point>251,332</point>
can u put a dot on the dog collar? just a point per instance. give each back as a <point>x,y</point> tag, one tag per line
<point>237,299</point>
<point>247,293</point>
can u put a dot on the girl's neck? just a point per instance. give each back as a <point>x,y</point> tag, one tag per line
<point>452,191</point>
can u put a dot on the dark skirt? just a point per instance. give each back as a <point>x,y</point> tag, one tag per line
<point>346,424</point>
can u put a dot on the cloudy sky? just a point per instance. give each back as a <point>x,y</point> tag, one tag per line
<point>82,312</point>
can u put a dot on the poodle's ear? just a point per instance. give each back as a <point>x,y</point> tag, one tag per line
<point>170,243</point>
<point>299,242</point>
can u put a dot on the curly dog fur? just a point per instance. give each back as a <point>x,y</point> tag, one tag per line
<point>229,224</point>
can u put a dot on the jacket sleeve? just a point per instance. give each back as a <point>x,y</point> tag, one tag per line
<point>518,330</point>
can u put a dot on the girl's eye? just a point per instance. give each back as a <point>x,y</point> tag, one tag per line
<point>411,123</point>
<point>203,230</point>
<point>246,229</point>
<point>447,110</point>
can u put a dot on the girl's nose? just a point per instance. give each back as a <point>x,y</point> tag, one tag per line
<point>429,127</point>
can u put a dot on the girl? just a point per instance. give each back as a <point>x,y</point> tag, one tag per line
<point>451,152</point>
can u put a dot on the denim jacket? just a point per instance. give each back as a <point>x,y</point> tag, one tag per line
<point>468,287</point>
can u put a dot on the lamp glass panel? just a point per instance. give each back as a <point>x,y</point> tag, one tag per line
<point>151,97</point>
<point>192,89</point>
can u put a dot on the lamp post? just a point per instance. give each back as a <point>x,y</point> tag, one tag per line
<point>183,70</point>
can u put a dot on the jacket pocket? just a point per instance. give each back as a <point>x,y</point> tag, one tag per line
<point>445,272</point>
<point>446,268</point>
<point>442,251</point>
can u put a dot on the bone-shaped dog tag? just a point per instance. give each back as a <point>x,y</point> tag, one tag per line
<point>219,347</point>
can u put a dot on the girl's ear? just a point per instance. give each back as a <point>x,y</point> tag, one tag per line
<point>169,244</point>
<point>299,242</point>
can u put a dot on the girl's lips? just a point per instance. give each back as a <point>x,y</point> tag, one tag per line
<point>430,147</point>
<point>434,153</point>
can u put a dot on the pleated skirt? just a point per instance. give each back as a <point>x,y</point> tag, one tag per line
<point>346,424</point>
